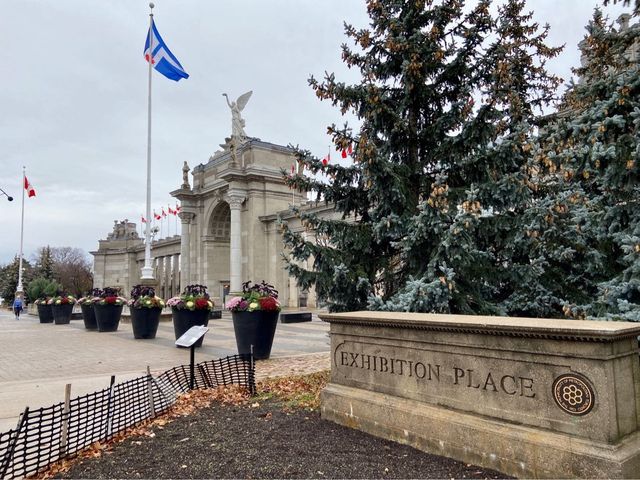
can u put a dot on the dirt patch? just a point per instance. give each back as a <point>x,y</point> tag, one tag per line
<point>264,438</point>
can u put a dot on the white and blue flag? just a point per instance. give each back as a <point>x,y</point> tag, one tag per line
<point>161,58</point>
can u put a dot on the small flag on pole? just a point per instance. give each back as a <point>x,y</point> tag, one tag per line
<point>164,214</point>
<point>171,210</point>
<point>161,58</point>
<point>347,151</point>
<point>142,219</point>
<point>156,216</point>
<point>31,192</point>
<point>178,208</point>
<point>327,159</point>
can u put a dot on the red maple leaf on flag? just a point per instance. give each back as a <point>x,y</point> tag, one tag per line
<point>31,192</point>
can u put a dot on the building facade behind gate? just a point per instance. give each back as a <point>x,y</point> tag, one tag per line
<point>229,233</point>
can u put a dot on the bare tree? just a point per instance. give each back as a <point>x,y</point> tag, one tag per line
<point>72,268</point>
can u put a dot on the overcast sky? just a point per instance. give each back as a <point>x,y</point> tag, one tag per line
<point>73,97</point>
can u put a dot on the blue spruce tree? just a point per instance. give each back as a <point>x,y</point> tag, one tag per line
<point>427,216</point>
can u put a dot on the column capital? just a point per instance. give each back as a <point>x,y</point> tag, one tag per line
<point>186,217</point>
<point>235,199</point>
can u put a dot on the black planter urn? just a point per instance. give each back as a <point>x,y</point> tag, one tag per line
<point>89,317</point>
<point>62,313</point>
<point>107,317</point>
<point>145,321</point>
<point>183,320</point>
<point>44,313</point>
<point>255,328</point>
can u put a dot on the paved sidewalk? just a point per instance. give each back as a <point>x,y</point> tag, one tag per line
<point>37,360</point>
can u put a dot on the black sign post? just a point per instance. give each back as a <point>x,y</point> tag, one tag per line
<point>188,339</point>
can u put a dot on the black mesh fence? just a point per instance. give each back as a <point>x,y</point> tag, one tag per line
<point>46,435</point>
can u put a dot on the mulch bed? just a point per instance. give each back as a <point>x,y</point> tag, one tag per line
<point>262,438</point>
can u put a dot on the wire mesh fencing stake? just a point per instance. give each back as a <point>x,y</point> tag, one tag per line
<point>161,390</point>
<point>152,410</point>
<point>109,420</point>
<point>205,376</point>
<point>192,374</point>
<point>252,374</point>
<point>65,420</point>
<point>11,449</point>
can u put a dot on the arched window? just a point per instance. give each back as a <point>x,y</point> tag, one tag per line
<point>220,226</point>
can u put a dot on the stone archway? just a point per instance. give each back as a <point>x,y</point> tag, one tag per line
<point>218,239</point>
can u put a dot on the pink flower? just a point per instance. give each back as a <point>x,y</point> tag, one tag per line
<point>233,303</point>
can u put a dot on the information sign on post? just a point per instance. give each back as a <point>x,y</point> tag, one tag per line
<point>189,339</point>
<point>191,336</point>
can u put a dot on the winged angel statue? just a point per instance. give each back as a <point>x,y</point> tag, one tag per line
<point>237,122</point>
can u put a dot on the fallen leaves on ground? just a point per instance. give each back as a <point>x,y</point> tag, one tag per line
<point>185,405</point>
<point>299,391</point>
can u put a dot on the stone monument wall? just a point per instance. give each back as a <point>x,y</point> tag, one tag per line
<point>529,397</point>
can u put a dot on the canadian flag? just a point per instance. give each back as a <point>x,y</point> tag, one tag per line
<point>31,192</point>
<point>156,216</point>
<point>178,208</point>
<point>164,214</point>
<point>347,151</point>
<point>172,211</point>
<point>327,159</point>
<point>142,219</point>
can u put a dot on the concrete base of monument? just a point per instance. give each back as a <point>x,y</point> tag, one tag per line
<point>517,450</point>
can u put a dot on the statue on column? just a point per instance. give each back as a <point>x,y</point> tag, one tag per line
<point>237,122</point>
<point>185,176</point>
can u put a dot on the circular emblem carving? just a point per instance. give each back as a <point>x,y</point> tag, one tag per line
<point>573,393</point>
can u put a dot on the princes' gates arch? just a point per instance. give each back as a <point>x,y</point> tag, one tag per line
<point>229,229</point>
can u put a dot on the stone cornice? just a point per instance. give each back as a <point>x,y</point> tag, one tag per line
<point>308,207</point>
<point>222,157</point>
<point>556,329</point>
<point>182,193</point>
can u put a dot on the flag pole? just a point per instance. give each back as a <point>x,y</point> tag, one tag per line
<point>147,270</point>
<point>19,287</point>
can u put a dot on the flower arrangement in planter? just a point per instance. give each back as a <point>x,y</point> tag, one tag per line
<point>90,296</point>
<point>61,308</point>
<point>86,305</point>
<point>256,297</point>
<point>144,297</point>
<point>44,310</point>
<point>190,309</point>
<point>145,308</point>
<point>63,299</point>
<point>194,297</point>
<point>108,309</point>
<point>110,296</point>
<point>255,318</point>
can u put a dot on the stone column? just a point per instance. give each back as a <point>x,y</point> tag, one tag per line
<point>167,277</point>
<point>160,276</point>
<point>175,284</point>
<point>235,201</point>
<point>185,249</point>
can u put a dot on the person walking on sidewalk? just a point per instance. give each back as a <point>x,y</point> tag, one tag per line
<point>17,307</point>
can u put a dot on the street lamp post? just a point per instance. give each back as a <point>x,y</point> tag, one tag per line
<point>9,197</point>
